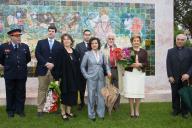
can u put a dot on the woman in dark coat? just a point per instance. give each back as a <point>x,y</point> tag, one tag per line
<point>70,71</point>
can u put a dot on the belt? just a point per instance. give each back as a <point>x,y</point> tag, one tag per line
<point>113,67</point>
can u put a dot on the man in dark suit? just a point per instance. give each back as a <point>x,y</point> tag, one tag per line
<point>179,69</point>
<point>14,57</point>
<point>47,53</point>
<point>81,48</point>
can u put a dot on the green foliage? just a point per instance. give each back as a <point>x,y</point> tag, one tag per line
<point>54,86</point>
<point>188,43</point>
<point>183,13</point>
<point>127,62</point>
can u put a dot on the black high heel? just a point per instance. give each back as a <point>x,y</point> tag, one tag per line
<point>71,115</point>
<point>137,115</point>
<point>64,117</point>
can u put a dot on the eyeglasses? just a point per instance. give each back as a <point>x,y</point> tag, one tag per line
<point>110,38</point>
<point>180,39</point>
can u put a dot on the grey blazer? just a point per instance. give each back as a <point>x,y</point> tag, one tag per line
<point>95,68</point>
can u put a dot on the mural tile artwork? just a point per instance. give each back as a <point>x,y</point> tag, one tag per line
<point>124,19</point>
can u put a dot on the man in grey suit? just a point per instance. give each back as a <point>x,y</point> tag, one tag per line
<point>179,70</point>
<point>81,48</point>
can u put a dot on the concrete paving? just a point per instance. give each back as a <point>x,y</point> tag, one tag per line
<point>151,94</point>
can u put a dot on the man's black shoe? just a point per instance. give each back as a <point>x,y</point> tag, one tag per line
<point>175,113</point>
<point>21,114</point>
<point>185,116</point>
<point>10,115</point>
<point>80,107</point>
<point>39,114</point>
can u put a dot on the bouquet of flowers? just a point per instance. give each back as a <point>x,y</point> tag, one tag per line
<point>53,98</point>
<point>124,56</point>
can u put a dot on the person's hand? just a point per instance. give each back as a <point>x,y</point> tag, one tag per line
<point>109,75</point>
<point>184,77</point>
<point>49,65</point>
<point>57,82</point>
<point>123,72</point>
<point>171,80</point>
<point>136,65</point>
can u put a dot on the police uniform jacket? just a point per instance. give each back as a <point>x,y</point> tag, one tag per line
<point>14,60</point>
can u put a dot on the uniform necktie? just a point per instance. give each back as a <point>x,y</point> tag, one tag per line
<point>16,47</point>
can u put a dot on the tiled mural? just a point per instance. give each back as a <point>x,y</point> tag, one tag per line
<point>124,19</point>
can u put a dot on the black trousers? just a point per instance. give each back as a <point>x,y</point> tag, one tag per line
<point>15,95</point>
<point>177,104</point>
<point>82,89</point>
<point>114,81</point>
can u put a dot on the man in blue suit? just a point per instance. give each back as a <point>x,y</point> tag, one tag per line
<point>14,57</point>
<point>47,53</point>
<point>179,70</point>
<point>81,49</point>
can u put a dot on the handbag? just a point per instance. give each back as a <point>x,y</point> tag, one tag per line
<point>186,96</point>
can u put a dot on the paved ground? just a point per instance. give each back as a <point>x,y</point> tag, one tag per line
<point>151,94</point>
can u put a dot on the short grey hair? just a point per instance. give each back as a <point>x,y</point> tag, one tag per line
<point>111,34</point>
<point>181,36</point>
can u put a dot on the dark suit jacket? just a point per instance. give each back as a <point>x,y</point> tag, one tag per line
<point>14,60</point>
<point>177,66</point>
<point>81,49</point>
<point>44,55</point>
<point>142,57</point>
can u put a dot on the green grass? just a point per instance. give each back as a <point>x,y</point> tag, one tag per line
<point>153,115</point>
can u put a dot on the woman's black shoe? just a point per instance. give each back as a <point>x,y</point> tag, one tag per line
<point>64,117</point>
<point>71,115</point>
<point>94,119</point>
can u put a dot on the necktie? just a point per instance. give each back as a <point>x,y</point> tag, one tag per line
<point>86,45</point>
<point>16,47</point>
<point>112,60</point>
<point>50,44</point>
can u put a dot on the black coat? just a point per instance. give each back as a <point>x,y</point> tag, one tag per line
<point>70,72</point>
<point>14,60</point>
<point>81,49</point>
<point>177,66</point>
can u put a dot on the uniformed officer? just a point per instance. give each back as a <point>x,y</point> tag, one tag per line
<point>14,57</point>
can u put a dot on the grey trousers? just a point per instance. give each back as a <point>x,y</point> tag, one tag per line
<point>95,98</point>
